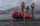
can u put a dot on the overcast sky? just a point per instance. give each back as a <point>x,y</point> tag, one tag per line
<point>7,4</point>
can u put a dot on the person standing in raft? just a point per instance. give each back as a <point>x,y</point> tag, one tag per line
<point>28,9</point>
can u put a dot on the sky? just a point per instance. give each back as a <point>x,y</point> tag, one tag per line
<point>7,4</point>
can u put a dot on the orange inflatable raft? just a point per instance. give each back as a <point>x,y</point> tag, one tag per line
<point>19,15</point>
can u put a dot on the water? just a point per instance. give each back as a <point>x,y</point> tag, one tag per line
<point>37,16</point>
<point>5,16</point>
<point>9,16</point>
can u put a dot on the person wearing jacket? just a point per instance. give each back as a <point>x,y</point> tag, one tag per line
<point>33,7</point>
